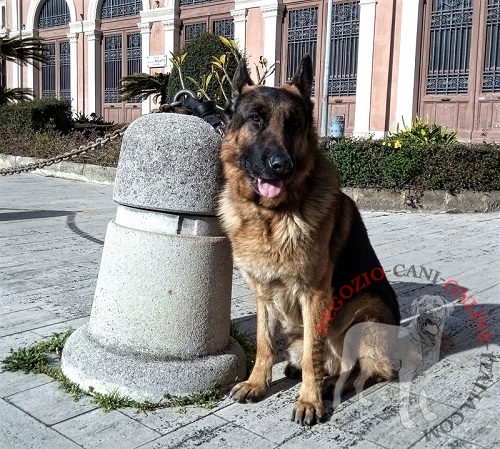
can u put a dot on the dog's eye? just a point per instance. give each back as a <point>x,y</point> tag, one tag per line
<point>254,117</point>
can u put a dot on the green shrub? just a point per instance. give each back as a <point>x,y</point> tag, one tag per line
<point>36,115</point>
<point>197,64</point>
<point>89,124</point>
<point>453,167</point>
<point>421,132</point>
<point>399,166</point>
<point>461,167</point>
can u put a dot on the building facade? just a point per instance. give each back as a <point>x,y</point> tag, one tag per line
<point>389,61</point>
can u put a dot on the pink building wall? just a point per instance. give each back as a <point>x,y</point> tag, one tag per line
<point>259,27</point>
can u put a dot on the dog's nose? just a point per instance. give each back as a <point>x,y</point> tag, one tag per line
<point>281,164</point>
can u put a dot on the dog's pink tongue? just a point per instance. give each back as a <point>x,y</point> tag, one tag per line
<point>269,189</point>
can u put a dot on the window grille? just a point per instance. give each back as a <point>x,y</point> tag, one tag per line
<point>54,13</point>
<point>64,71</point>
<point>49,72</point>
<point>344,50</point>
<point>193,30</point>
<point>194,2</point>
<point>302,37</point>
<point>450,42</point>
<point>491,76</point>
<point>134,58</point>
<point>112,68</point>
<point>224,28</point>
<point>120,8</point>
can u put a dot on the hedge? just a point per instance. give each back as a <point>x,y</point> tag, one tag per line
<point>198,62</point>
<point>454,167</point>
<point>36,115</point>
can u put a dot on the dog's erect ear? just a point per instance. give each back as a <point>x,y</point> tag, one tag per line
<point>303,79</point>
<point>241,78</point>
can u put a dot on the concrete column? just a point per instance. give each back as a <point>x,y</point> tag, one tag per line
<point>367,10</point>
<point>240,27</point>
<point>160,318</point>
<point>409,61</point>
<point>15,74</point>
<point>273,18</point>
<point>94,86</point>
<point>29,80</point>
<point>171,28</point>
<point>145,49</point>
<point>73,48</point>
<point>14,22</point>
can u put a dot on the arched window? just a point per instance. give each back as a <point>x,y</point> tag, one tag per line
<point>54,13</point>
<point>55,79</point>
<point>120,8</point>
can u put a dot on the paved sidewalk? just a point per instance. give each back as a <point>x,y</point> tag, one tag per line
<point>52,232</point>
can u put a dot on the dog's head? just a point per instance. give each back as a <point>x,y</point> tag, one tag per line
<point>270,132</point>
<point>431,313</point>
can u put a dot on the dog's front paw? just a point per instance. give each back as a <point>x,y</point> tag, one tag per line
<point>248,392</point>
<point>308,413</point>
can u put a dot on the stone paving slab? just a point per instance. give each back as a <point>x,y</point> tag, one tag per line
<point>167,420</point>
<point>480,424</point>
<point>380,422</point>
<point>16,341</point>
<point>13,383</point>
<point>51,244</point>
<point>211,432</point>
<point>49,404</point>
<point>98,429</point>
<point>18,430</point>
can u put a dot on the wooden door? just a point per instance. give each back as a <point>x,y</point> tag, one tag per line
<point>121,57</point>
<point>449,56</point>
<point>460,77</point>
<point>487,110</point>
<point>305,32</point>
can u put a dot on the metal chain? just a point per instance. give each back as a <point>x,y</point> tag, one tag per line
<point>70,154</point>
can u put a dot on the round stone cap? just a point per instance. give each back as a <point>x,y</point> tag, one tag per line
<point>169,162</point>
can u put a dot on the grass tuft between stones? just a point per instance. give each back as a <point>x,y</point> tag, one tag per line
<point>245,342</point>
<point>44,358</point>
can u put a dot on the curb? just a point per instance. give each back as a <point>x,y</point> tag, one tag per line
<point>64,169</point>
<point>431,201</point>
<point>435,201</point>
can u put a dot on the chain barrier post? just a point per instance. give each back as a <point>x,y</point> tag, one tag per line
<point>161,312</point>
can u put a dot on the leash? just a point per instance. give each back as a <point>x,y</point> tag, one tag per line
<point>206,110</point>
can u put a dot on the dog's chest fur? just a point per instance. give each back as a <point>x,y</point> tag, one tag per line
<point>275,252</point>
<point>267,246</point>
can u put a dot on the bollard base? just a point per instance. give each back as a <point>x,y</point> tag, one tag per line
<point>91,365</point>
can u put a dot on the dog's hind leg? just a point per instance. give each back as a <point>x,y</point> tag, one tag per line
<point>349,357</point>
<point>372,371</point>
<point>359,385</point>
<point>295,350</point>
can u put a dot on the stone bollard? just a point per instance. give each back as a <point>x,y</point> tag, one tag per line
<point>161,311</point>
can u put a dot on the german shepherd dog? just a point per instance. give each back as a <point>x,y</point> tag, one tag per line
<point>297,240</point>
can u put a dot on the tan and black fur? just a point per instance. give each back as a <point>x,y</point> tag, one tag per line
<point>296,248</point>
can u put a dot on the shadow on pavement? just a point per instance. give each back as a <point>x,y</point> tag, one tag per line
<point>33,214</point>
